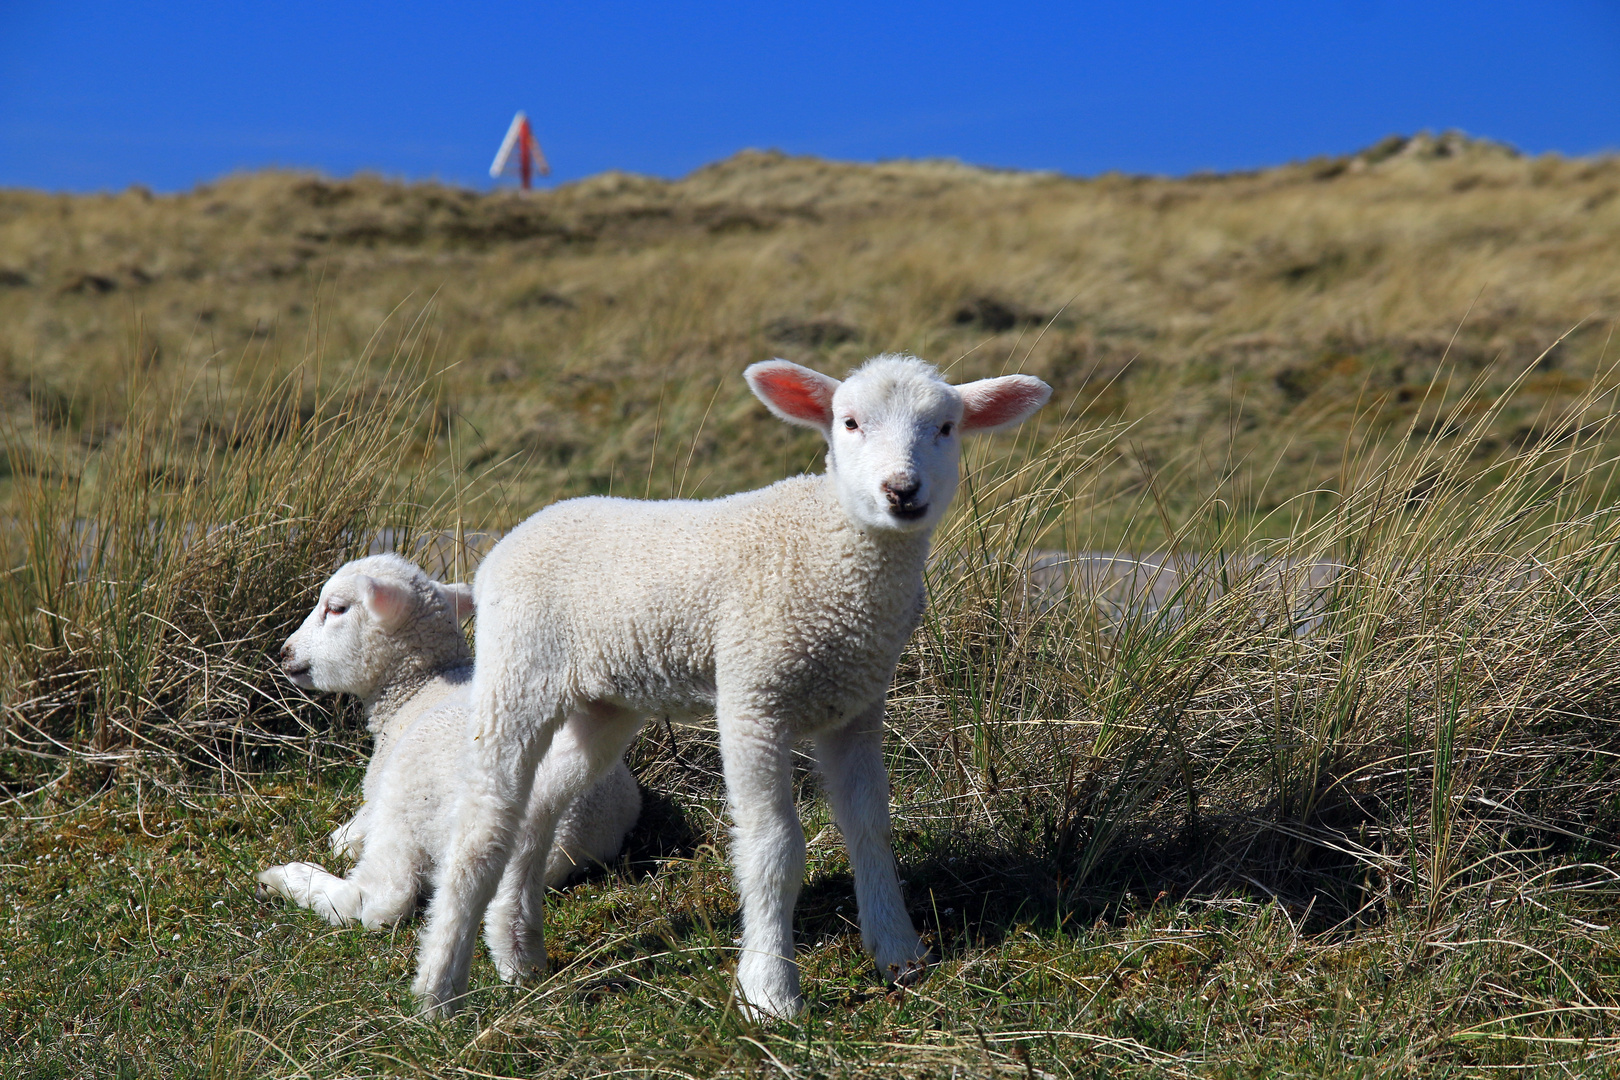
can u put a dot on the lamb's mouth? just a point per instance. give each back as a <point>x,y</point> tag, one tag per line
<point>298,674</point>
<point>910,513</point>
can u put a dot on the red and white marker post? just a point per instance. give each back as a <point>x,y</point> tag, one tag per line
<point>520,137</point>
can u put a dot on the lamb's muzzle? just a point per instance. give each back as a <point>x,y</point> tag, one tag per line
<point>901,491</point>
<point>296,669</point>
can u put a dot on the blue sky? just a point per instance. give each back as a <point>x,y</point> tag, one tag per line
<point>104,95</point>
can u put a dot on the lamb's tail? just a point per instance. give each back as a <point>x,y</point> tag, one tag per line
<point>307,885</point>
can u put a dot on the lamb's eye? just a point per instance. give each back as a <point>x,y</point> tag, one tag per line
<point>946,429</point>
<point>850,424</point>
<point>336,609</point>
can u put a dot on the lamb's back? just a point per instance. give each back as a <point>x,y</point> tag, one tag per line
<point>657,604</point>
<point>631,596</point>
<point>418,778</point>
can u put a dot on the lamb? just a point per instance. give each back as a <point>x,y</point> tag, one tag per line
<point>784,610</point>
<point>383,631</point>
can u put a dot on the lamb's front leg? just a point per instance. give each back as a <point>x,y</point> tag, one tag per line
<point>337,900</point>
<point>851,761</point>
<point>496,781</point>
<point>768,852</point>
<point>350,838</point>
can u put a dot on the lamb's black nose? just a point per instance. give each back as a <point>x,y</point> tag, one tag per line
<point>286,655</point>
<point>901,491</point>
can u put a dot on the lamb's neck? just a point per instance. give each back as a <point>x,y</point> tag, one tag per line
<point>404,683</point>
<point>874,553</point>
<point>895,556</point>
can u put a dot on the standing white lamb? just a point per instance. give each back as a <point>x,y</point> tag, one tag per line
<point>784,610</point>
<point>385,632</point>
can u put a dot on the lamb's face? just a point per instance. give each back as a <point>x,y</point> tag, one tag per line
<point>341,646</point>
<point>895,447</point>
<point>372,613</point>
<point>894,430</point>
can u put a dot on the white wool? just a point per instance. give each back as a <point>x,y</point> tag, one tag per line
<point>384,631</point>
<point>784,610</point>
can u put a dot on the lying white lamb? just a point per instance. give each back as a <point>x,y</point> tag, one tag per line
<point>784,610</point>
<point>385,632</point>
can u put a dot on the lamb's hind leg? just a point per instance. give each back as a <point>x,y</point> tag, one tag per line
<point>768,852</point>
<point>851,761</point>
<point>503,749</point>
<point>389,876</point>
<point>588,744</point>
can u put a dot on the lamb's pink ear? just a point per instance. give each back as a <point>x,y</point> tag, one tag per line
<point>796,394</point>
<point>388,601</point>
<point>990,404</point>
<point>458,598</point>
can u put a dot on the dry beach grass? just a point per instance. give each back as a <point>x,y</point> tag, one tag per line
<point>1283,822</point>
<point>592,335</point>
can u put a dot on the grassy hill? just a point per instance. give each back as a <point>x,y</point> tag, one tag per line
<point>1345,804</point>
<point>591,336</point>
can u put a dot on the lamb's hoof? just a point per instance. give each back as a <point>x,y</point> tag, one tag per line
<point>522,972</point>
<point>770,1013</point>
<point>435,1004</point>
<point>433,1009</point>
<point>768,986</point>
<point>909,973</point>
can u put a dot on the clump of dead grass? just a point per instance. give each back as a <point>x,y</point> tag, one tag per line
<point>149,580</point>
<point>1406,701</point>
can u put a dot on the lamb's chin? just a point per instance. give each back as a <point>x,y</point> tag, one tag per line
<point>899,523</point>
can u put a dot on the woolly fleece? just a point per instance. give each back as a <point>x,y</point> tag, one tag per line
<point>410,664</point>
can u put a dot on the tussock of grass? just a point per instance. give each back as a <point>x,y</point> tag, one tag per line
<point>148,586</point>
<point>1408,699</point>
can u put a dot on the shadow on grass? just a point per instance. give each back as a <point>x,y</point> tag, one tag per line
<point>973,893</point>
<point>663,831</point>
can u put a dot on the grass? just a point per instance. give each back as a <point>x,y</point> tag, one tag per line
<point>1342,801</point>
<point>1267,827</point>
<point>155,960</point>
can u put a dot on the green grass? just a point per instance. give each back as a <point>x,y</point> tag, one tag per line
<point>1265,829</point>
<point>134,947</point>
